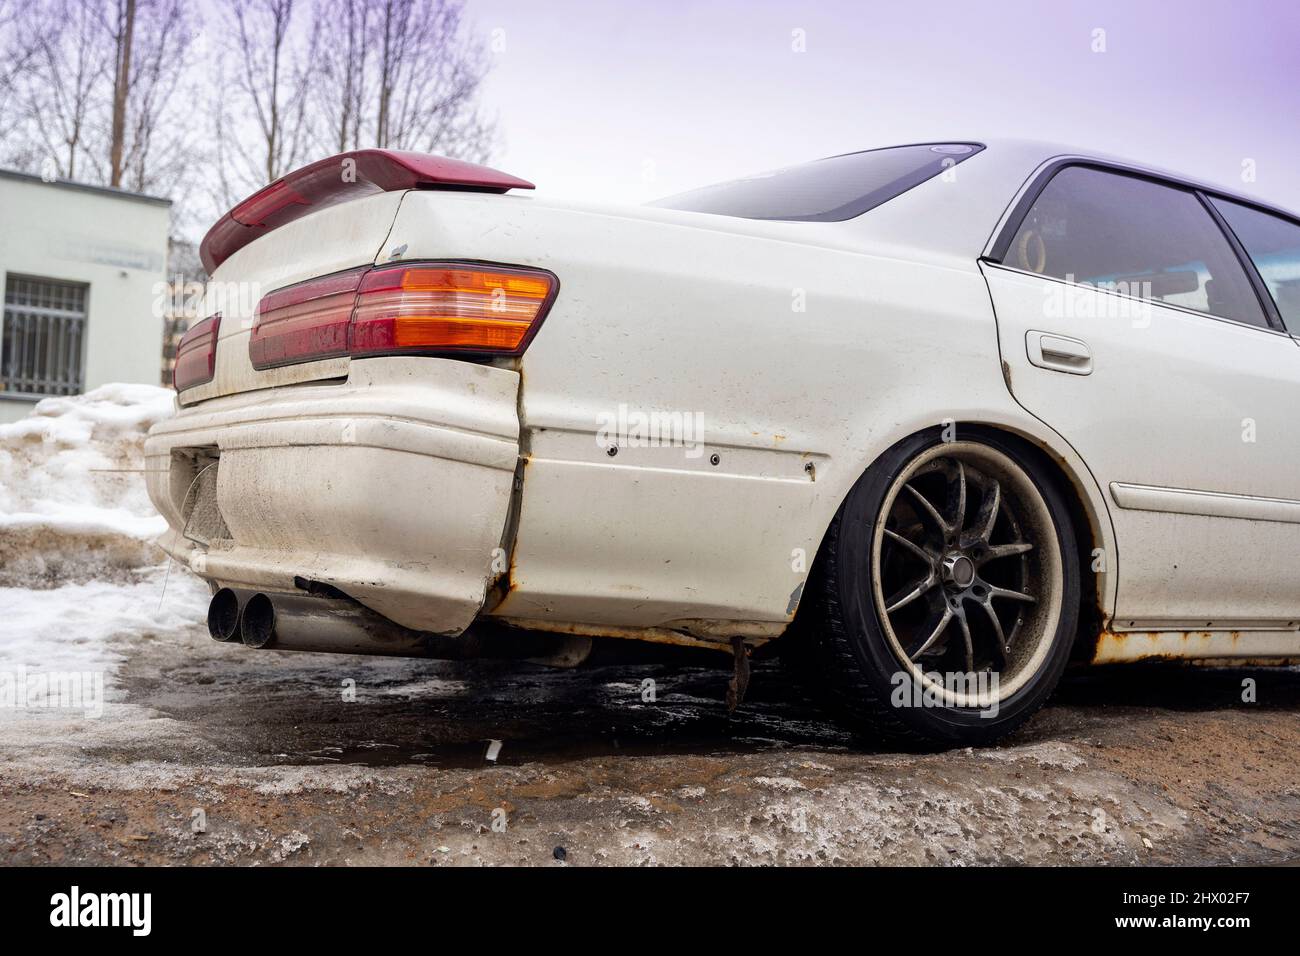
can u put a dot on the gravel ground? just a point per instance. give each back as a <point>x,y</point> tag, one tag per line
<point>210,754</point>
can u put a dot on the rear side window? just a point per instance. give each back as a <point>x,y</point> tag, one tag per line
<point>827,190</point>
<point>1134,236</point>
<point>1273,244</point>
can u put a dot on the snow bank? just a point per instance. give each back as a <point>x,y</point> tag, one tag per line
<point>73,506</point>
<point>80,575</point>
<point>75,627</point>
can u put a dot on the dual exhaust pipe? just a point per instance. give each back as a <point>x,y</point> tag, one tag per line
<point>339,625</point>
<point>295,622</point>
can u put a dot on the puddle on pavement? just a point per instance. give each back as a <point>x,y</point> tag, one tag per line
<point>445,715</point>
<point>285,710</point>
<point>610,721</point>
<point>466,755</point>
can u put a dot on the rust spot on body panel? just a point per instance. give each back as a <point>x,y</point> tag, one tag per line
<point>1231,646</point>
<point>655,635</point>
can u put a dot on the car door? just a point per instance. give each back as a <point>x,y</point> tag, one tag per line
<point>1129,322</point>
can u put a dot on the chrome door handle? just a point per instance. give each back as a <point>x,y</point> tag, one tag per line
<point>1060,353</point>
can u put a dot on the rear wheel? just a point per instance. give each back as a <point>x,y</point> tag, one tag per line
<point>947,592</point>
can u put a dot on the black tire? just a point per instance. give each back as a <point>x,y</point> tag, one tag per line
<point>858,664</point>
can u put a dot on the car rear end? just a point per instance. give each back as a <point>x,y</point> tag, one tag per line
<point>348,419</point>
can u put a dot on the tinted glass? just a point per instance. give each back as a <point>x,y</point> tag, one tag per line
<point>1134,236</point>
<point>828,190</point>
<point>1273,244</point>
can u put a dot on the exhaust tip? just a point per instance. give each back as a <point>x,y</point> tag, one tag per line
<point>223,616</point>
<point>257,622</point>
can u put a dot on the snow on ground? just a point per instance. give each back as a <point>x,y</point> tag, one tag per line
<point>78,563</point>
<point>72,497</point>
<point>70,628</point>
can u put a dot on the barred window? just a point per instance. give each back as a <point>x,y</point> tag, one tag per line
<point>43,334</point>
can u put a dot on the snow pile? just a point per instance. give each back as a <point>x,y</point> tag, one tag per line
<point>81,579</point>
<point>77,627</point>
<point>73,505</point>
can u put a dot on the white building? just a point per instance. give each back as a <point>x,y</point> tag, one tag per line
<point>82,267</point>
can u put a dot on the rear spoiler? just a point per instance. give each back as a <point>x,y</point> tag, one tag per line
<point>340,178</point>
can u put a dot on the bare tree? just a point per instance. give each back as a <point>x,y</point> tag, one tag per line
<point>99,91</point>
<point>429,79</point>
<point>104,90</point>
<point>22,32</point>
<point>269,132</point>
<point>63,92</point>
<point>343,87</point>
<point>401,74</point>
<point>123,35</point>
<point>152,150</point>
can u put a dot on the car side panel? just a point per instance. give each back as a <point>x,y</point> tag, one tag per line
<point>802,362</point>
<point>1188,423</point>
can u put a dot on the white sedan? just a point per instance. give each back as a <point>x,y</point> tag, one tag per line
<point>941,417</point>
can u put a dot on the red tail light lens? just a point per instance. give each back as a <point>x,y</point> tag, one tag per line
<point>196,356</point>
<point>426,308</point>
<point>304,322</point>
<point>257,209</point>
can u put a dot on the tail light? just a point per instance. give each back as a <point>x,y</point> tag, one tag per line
<point>443,308</point>
<point>196,356</point>
<point>304,322</point>
<point>432,308</point>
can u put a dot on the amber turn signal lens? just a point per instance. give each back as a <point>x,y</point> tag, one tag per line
<point>450,308</point>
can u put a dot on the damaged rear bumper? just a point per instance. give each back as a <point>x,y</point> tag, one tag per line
<point>393,486</point>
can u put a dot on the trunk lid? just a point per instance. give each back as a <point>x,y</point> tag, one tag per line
<point>332,240</point>
<point>331,216</point>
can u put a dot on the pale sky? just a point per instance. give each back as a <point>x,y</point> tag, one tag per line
<point>629,101</point>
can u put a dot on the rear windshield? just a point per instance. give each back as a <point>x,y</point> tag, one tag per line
<point>827,190</point>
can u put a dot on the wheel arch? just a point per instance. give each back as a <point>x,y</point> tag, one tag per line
<point>1089,515</point>
<point>1092,531</point>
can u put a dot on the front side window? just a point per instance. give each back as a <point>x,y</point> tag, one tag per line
<point>1273,244</point>
<point>44,327</point>
<point>828,190</point>
<point>1130,235</point>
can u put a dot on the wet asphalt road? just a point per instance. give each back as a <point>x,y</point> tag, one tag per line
<point>219,754</point>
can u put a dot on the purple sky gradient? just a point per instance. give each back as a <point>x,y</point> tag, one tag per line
<point>628,101</point>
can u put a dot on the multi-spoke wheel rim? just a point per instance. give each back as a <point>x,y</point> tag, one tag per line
<point>967,572</point>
